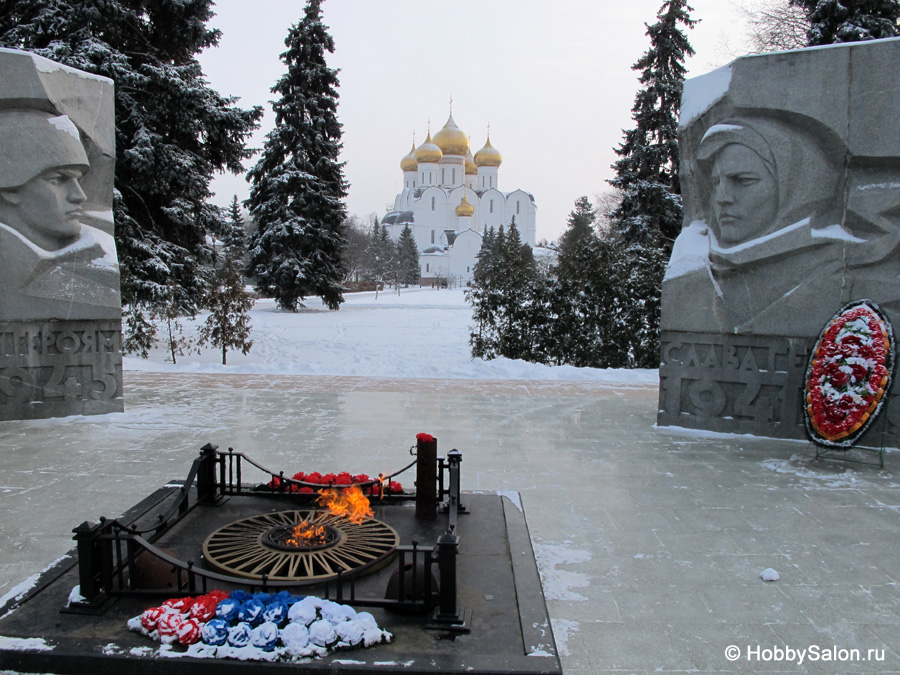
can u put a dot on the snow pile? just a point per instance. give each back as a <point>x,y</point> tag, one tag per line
<point>256,627</point>
<point>769,574</point>
<point>420,333</point>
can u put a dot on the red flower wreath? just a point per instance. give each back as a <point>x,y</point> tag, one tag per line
<point>848,374</point>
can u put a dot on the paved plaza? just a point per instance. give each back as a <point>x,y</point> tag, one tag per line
<point>651,541</point>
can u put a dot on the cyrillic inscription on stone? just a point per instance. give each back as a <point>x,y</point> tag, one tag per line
<point>739,384</point>
<point>730,383</point>
<point>60,368</point>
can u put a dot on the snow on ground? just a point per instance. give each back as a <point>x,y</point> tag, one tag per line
<point>420,333</point>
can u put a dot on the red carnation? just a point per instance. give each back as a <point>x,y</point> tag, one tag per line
<point>204,608</point>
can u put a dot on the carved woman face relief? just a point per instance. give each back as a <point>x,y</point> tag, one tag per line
<point>743,196</point>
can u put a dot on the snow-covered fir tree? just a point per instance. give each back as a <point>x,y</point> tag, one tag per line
<point>834,21</point>
<point>580,223</point>
<point>650,213</point>
<point>588,304</point>
<point>483,296</point>
<point>647,172</point>
<point>502,296</point>
<point>228,324</point>
<point>298,187</point>
<point>173,132</point>
<point>382,255</point>
<point>408,257</point>
<point>234,238</point>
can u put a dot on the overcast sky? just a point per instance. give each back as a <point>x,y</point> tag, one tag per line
<point>553,80</point>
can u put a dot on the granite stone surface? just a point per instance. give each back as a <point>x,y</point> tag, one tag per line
<point>58,264</point>
<point>789,173</point>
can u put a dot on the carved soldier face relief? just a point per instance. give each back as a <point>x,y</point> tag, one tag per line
<point>47,209</point>
<point>743,196</point>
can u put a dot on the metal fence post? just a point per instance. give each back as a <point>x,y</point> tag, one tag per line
<point>426,479</point>
<point>206,475</point>
<point>447,615</point>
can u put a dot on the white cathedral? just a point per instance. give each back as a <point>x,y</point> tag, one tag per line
<point>450,198</point>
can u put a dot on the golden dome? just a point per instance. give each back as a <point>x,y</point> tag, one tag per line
<point>408,163</point>
<point>465,209</point>
<point>471,167</point>
<point>428,152</point>
<point>451,140</point>
<point>488,155</point>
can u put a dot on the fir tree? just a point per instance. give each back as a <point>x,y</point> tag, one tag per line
<point>834,21</point>
<point>408,257</point>
<point>382,255</point>
<point>234,239</point>
<point>228,324</point>
<point>168,313</point>
<point>643,275</point>
<point>173,132</point>
<point>647,173</point>
<point>649,215</point>
<point>501,297</point>
<point>483,298</point>
<point>518,273</point>
<point>580,223</point>
<point>298,186</point>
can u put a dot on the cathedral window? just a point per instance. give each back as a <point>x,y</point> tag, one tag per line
<point>492,206</point>
<point>432,203</point>
<point>432,233</point>
<point>517,208</point>
<point>453,176</point>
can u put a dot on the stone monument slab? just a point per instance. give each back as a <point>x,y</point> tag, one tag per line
<point>60,310</point>
<point>790,173</point>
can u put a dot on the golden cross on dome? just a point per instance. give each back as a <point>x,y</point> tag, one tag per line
<point>451,104</point>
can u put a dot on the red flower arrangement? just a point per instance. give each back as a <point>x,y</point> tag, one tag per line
<point>848,374</point>
<point>343,479</point>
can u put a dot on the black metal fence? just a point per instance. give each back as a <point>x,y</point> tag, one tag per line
<point>424,577</point>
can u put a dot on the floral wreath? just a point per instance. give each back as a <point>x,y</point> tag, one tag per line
<point>849,372</point>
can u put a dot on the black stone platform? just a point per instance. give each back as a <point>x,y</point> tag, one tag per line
<point>497,581</point>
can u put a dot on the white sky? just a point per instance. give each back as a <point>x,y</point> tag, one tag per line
<point>553,80</point>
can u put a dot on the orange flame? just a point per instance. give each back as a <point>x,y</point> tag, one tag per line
<point>305,534</point>
<point>349,503</point>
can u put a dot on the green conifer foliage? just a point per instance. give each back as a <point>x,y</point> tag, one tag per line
<point>647,172</point>
<point>298,187</point>
<point>234,238</point>
<point>408,257</point>
<point>580,224</point>
<point>834,21</point>
<point>228,324</point>
<point>501,297</point>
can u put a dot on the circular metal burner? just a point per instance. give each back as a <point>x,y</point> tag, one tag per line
<point>255,546</point>
<point>286,537</point>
